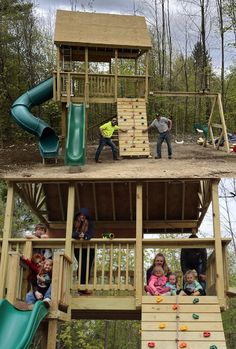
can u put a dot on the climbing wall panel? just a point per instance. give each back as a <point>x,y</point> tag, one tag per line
<point>132,115</point>
<point>195,323</point>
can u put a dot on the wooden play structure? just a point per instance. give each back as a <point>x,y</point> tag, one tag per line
<point>131,209</point>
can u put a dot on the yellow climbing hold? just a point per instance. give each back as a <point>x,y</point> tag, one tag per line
<point>159,299</point>
<point>162,326</point>
<point>183,328</point>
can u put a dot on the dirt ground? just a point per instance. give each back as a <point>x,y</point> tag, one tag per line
<point>189,161</point>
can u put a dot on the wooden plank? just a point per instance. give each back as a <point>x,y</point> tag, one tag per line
<point>220,285</point>
<point>183,317</point>
<point>192,326</point>
<point>189,308</point>
<point>191,345</point>
<point>139,249</point>
<point>184,336</point>
<point>181,300</point>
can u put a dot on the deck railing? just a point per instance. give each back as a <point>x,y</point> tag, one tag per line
<point>71,86</point>
<point>112,272</point>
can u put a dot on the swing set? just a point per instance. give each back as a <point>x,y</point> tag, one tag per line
<point>215,128</point>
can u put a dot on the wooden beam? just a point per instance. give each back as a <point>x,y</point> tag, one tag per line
<point>220,285</point>
<point>183,243</point>
<point>222,118</point>
<point>182,94</point>
<point>146,76</point>
<point>70,217</point>
<point>116,74</point>
<point>139,250</point>
<point>6,235</point>
<point>58,75</point>
<point>86,97</point>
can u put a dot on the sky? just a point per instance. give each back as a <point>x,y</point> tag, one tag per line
<point>180,18</point>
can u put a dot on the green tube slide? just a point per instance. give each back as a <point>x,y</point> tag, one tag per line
<point>17,327</point>
<point>20,111</point>
<point>75,142</point>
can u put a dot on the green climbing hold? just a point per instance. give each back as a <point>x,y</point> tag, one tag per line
<point>196,300</point>
<point>213,347</point>
<point>195,316</point>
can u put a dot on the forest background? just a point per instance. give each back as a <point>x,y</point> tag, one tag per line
<point>27,56</point>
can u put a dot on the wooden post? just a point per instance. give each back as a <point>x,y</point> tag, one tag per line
<point>222,118</point>
<point>146,76</point>
<point>86,78</point>
<point>13,277</point>
<point>220,285</point>
<point>6,235</point>
<point>210,122</point>
<point>116,74</point>
<point>58,75</point>
<point>139,250</point>
<point>63,126</point>
<point>70,217</point>
<point>52,334</point>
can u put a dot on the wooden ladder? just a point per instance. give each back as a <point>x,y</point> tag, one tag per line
<point>193,325</point>
<point>131,114</point>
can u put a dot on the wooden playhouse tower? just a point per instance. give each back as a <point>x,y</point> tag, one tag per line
<point>130,206</point>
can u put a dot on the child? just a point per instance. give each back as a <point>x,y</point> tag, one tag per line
<point>157,282</point>
<point>173,284</point>
<point>191,286</point>
<point>35,264</point>
<point>42,286</point>
<point>40,232</point>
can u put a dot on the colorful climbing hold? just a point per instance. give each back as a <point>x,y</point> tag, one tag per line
<point>175,306</point>
<point>183,328</point>
<point>195,316</point>
<point>196,300</point>
<point>151,344</point>
<point>162,326</point>
<point>213,346</point>
<point>206,334</point>
<point>159,299</point>
<point>183,345</point>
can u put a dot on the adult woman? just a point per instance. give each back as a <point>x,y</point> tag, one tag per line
<point>83,230</point>
<point>159,260</point>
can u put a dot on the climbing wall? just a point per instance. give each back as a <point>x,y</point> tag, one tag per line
<point>170,322</point>
<point>131,114</point>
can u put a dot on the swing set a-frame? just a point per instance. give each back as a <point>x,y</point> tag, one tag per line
<point>213,125</point>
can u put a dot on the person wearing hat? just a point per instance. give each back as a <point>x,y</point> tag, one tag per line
<point>83,230</point>
<point>163,125</point>
<point>106,131</point>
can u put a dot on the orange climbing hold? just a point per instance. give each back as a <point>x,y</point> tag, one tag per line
<point>162,326</point>
<point>183,345</point>
<point>175,306</point>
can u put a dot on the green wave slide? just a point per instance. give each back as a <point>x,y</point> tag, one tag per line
<point>17,327</point>
<point>75,142</point>
<point>47,139</point>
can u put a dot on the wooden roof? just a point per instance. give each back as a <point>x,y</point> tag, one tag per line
<point>100,29</point>
<point>168,206</point>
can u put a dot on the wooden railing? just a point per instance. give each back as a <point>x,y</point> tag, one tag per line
<point>113,266</point>
<point>113,269</point>
<point>70,86</point>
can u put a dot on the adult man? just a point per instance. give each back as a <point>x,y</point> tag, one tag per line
<point>106,131</point>
<point>195,258</point>
<point>163,126</point>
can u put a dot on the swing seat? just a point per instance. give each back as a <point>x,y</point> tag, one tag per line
<point>179,142</point>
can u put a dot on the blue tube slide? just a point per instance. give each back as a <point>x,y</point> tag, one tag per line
<point>47,139</point>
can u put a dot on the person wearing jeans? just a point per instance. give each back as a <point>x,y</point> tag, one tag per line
<point>163,125</point>
<point>107,131</point>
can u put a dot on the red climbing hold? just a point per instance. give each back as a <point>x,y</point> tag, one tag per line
<point>183,345</point>
<point>206,334</point>
<point>151,344</point>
